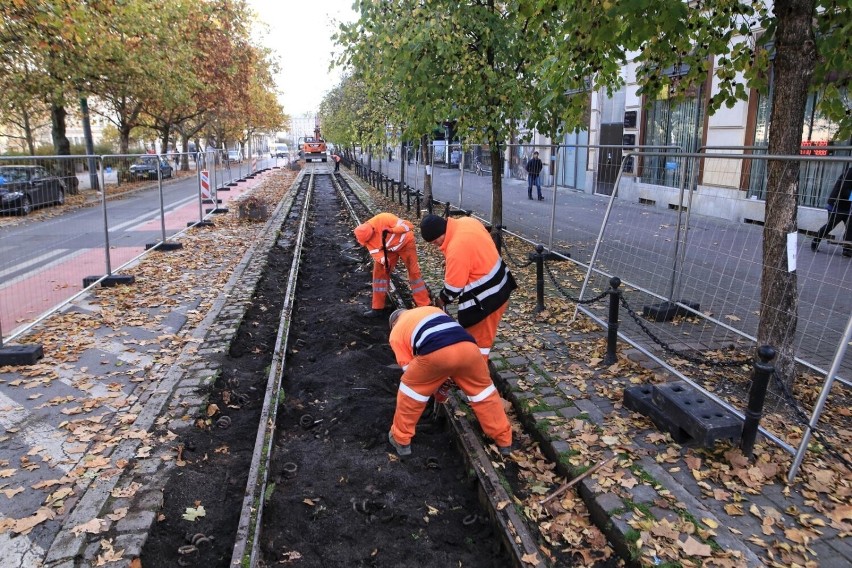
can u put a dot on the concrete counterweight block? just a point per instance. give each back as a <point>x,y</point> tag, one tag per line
<point>702,418</point>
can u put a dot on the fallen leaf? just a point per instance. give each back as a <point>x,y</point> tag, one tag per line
<point>841,513</point>
<point>694,548</point>
<point>11,492</point>
<point>94,526</point>
<point>193,513</point>
<point>25,525</point>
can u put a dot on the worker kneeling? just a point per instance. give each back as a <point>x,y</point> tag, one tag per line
<point>389,238</point>
<point>430,346</point>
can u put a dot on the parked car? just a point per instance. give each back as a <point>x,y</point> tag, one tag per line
<point>235,156</point>
<point>23,188</point>
<point>146,168</point>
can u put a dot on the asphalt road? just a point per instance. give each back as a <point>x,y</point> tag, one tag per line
<point>715,263</point>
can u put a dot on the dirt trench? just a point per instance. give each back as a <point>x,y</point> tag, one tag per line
<point>341,496</point>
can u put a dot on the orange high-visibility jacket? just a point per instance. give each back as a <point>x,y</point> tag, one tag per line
<point>424,330</point>
<point>399,234</point>
<point>475,273</point>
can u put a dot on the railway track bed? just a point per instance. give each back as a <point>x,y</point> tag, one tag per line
<point>334,492</point>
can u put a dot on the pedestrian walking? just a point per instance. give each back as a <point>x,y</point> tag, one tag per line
<point>534,167</point>
<point>177,158</point>
<point>474,274</point>
<point>430,346</point>
<point>389,239</point>
<point>839,207</point>
<point>336,157</point>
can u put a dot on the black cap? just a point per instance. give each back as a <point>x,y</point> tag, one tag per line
<point>432,227</point>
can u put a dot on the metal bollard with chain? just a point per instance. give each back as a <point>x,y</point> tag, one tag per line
<point>612,322</point>
<point>763,370</point>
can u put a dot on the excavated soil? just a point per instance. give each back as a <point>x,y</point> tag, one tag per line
<point>341,496</point>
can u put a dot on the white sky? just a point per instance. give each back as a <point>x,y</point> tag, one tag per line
<point>299,33</point>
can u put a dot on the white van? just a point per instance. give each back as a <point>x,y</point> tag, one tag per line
<point>279,151</point>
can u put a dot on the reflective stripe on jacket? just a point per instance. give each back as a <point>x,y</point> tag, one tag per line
<point>398,234</point>
<point>424,330</point>
<point>475,273</point>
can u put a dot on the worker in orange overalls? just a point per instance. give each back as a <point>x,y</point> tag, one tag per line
<point>430,346</point>
<point>389,238</point>
<point>475,275</point>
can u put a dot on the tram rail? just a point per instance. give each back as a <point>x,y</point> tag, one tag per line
<point>517,541</point>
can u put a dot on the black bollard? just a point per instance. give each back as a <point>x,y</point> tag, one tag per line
<point>538,256</point>
<point>407,198</point>
<point>399,191</point>
<point>447,210</point>
<point>763,370</point>
<point>612,323</point>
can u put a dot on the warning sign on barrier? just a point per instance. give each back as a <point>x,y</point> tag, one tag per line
<point>205,184</point>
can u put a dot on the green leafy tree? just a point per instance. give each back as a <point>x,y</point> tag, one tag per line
<point>466,62</point>
<point>804,44</point>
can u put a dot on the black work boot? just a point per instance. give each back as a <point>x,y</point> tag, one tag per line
<point>814,245</point>
<point>371,313</point>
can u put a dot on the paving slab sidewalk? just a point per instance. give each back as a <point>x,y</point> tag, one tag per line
<point>85,469</point>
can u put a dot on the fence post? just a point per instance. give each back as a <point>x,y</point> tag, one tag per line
<point>763,370</point>
<point>612,323</point>
<point>407,197</point>
<point>538,256</point>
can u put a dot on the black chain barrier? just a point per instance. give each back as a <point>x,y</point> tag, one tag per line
<point>668,349</point>
<point>805,421</point>
<point>513,261</point>
<point>562,290</point>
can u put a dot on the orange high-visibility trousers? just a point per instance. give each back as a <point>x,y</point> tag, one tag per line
<point>485,331</point>
<point>381,277</point>
<point>426,373</point>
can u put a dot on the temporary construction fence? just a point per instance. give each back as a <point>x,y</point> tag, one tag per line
<point>51,254</point>
<point>684,233</point>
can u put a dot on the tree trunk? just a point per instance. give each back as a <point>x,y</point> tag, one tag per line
<point>496,181</point>
<point>184,148</point>
<point>794,65</point>
<point>124,139</point>
<point>166,132</point>
<point>28,131</point>
<point>62,147</point>
<point>427,177</point>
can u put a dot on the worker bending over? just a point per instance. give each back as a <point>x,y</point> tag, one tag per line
<point>389,238</point>
<point>430,346</point>
<point>475,275</point>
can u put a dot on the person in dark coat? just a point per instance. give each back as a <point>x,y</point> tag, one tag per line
<point>839,207</point>
<point>534,167</point>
